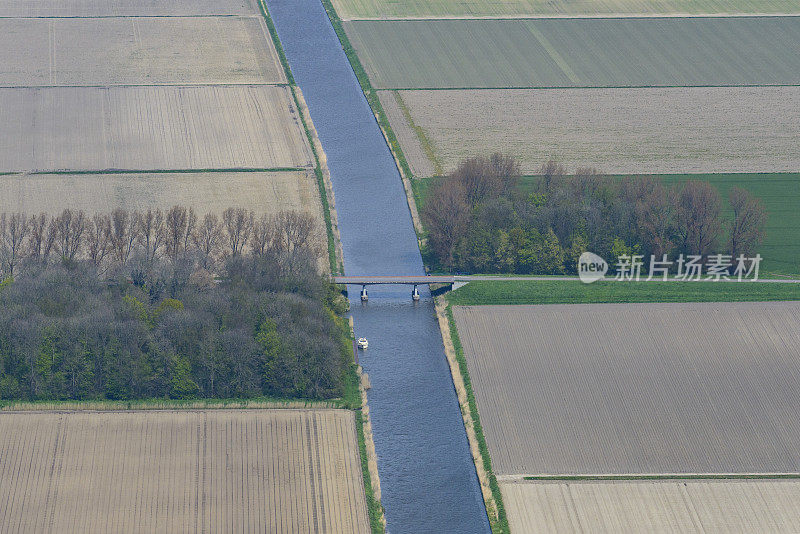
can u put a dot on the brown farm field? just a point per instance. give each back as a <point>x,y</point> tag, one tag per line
<point>106,8</point>
<point>261,192</point>
<point>150,128</point>
<point>169,471</point>
<point>619,131</point>
<point>636,388</point>
<point>654,506</point>
<point>140,50</point>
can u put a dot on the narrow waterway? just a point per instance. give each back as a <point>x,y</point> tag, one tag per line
<point>427,476</point>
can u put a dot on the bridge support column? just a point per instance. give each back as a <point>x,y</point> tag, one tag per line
<point>364,295</point>
<point>415,294</point>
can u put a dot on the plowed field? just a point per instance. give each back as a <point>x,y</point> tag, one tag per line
<point>213,471</point>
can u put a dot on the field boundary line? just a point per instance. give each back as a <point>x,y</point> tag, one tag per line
<point>123,85</point>
<point>566,292</point>
<point>434,18</point>
<point>242,170</point>
<point>648,476</point>
<point>195,16</point>
<point>490,489</point>
<point>588,87</point>
<point>168,405</point>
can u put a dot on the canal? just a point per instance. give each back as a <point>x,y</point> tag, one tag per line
<point>428,479</point>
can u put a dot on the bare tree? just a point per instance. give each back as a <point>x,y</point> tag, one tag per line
<point>206,238</point>
<point>98,238</point>
<point>586,182</point>
<point>699,217</point>
<point>71,226</point>
<point>485,178</point>
<point>38,225</point>
<point>151,233</point>
<point>656,217</point>
<point>263,235</point>
<point>124,233</point>
<point>294,230</point>
<point>446,214</point>
<point>551,172</point>
<point>238,225</point>
<point>747,226</point>
<point>50,239</point>
<point>176,230</point>
<point>13,230</point>
<point>191,224</point>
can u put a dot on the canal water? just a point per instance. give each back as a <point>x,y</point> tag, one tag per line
<point>428,479</point>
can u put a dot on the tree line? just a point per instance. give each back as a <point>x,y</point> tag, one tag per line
<point>134,305</point>
<point>114,239</point>
<point>477,219</point>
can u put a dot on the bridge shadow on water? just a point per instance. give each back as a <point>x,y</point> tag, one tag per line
<point>428,479</point>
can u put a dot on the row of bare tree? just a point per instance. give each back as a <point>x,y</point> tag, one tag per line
<point>117,237</point>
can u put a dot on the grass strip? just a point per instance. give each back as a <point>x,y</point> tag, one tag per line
<point>374,507</point>
<point>367,89</point>
<point>697,476</point>
<point>165,171</point>
<point>557,87</point>
<point>500,524</point>
<point>171,404</point>
<point>576,292</point>
<point>326,209</point>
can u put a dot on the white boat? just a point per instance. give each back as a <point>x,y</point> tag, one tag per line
<point>363,343</point>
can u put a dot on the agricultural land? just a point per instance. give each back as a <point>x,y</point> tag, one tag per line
<point>260,192</point>
<point>637,417</point>
<point>423,9</point>
<point>579,52</point>
<point>145,128</point>
<point>635,388</point>
<point>209,471</point>
<point>619,131</point>
<point>152,8</point>
<point>560,291</point>
<point>151,104</point>
<point>137,50</point>
<point>654,506</point>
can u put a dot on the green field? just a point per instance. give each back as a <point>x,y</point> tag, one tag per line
<point>575,292</point>
<point>781,196</point>
<point>354,9</point>
<point>632,52</point>
<point>779,192</point>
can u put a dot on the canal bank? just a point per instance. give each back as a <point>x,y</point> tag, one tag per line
<point>427,475</point>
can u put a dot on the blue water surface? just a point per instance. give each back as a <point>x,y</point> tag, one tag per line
<point>428,479</point>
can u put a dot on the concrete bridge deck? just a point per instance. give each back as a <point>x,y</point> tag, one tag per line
<point>404,280</point>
